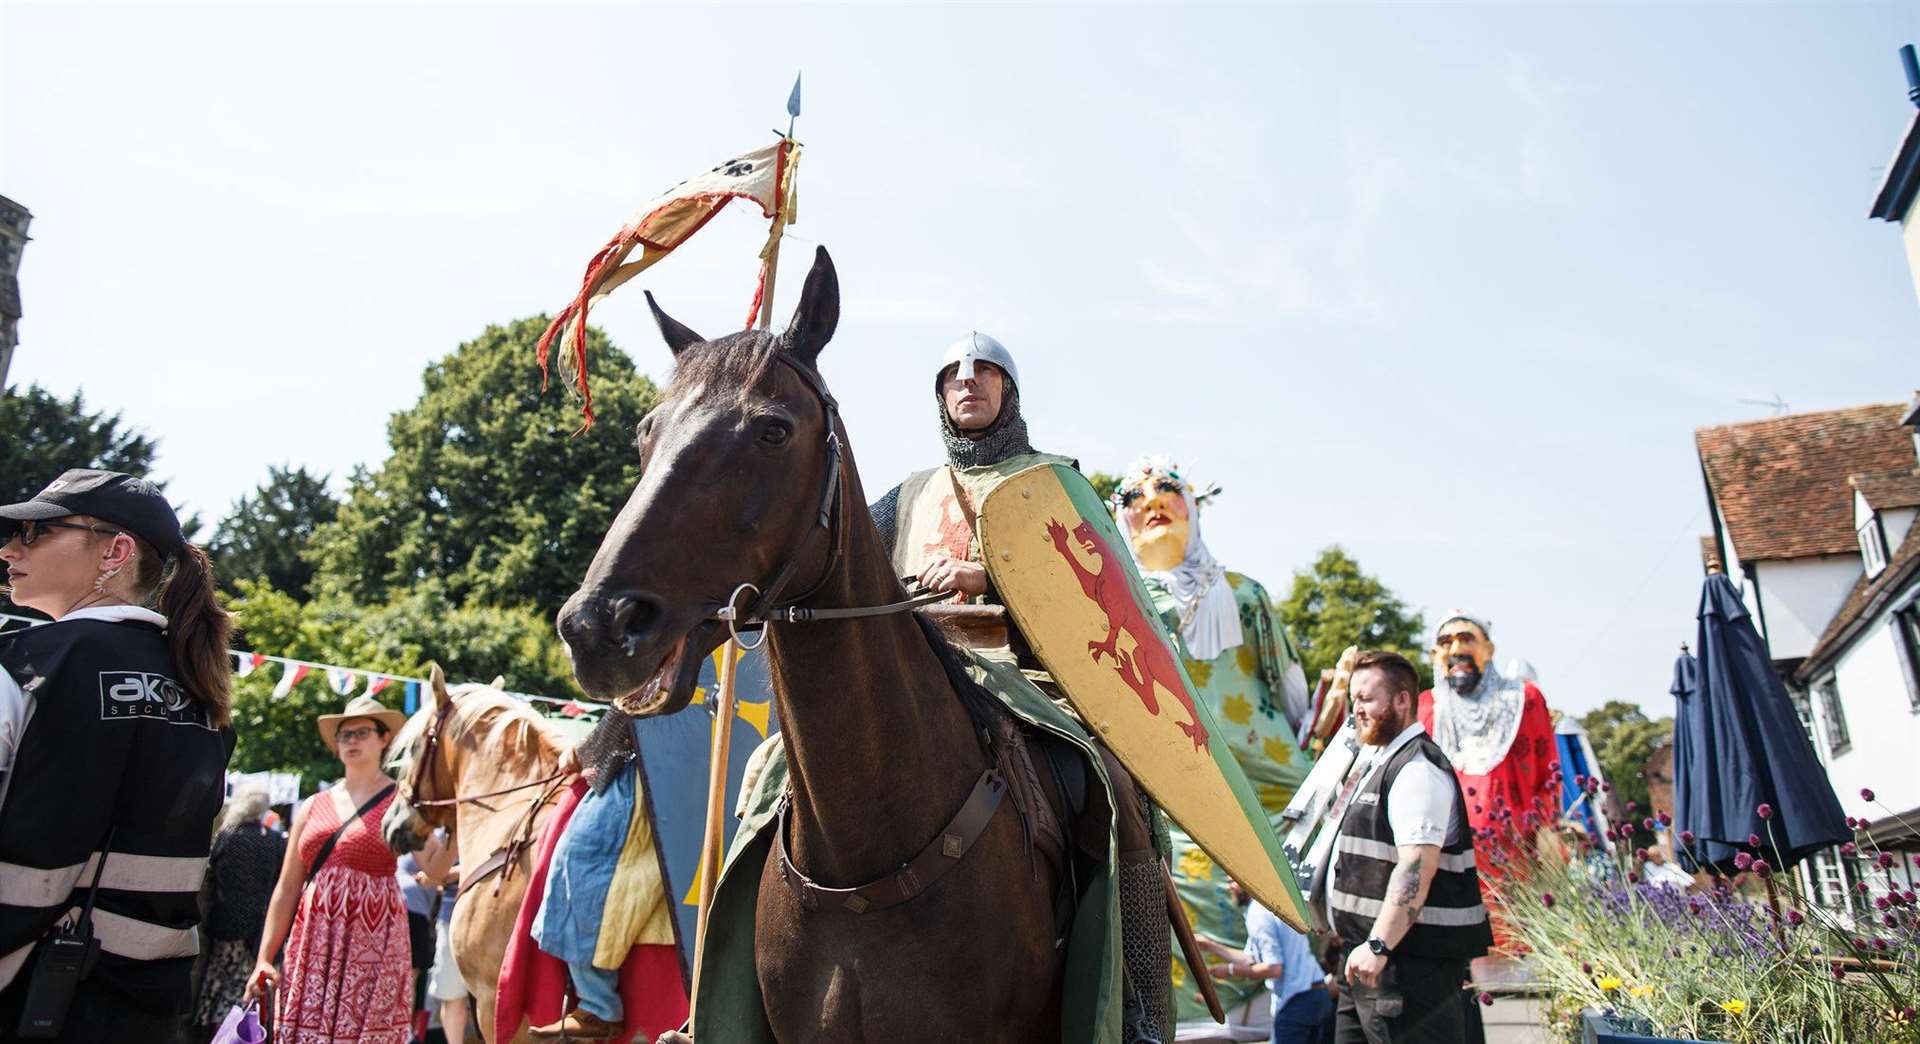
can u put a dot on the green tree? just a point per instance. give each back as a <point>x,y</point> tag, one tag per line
<point>1623,738</point>
<point>42,435</point>
<point>263,537</point>
<point>1104,483</point>
<point>489,490</point>
<point>1333,605</point>
<point>474,643</point>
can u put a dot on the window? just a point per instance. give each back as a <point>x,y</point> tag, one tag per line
<point>1803,710</point>
<point>1906,628</point>
<point>1873,545</point>
<point>1829,873</point>
<point>1839,741</point>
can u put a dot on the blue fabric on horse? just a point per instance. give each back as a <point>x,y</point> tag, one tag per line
<point>1738,745</point>
<point>568,924</point>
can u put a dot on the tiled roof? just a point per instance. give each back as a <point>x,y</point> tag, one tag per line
<point>1781,484</point>
<point>1709,553</point>
<point>1868,597</point>
<point>1889,489</point>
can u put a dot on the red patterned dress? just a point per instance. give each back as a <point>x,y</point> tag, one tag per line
<point>347,960</point>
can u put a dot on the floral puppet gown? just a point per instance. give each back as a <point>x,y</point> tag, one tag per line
<point>348,962</point>
<point>1241,688</point>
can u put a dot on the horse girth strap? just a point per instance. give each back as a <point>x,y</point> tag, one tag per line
<point>918,874</point>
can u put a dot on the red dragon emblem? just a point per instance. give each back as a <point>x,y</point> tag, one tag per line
<point>1150,663</point>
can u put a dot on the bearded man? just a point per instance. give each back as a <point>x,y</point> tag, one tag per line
<point>927,525</point>
<point>1497,733</point>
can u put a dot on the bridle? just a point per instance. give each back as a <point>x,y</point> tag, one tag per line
<point>767,608</point>
<point>519,839</point>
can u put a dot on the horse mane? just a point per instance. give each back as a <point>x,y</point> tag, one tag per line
<point>737,361</point>
<point>483,717</point>
<point>982,707</point>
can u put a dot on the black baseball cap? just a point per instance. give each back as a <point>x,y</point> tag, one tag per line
<point>133,504</point>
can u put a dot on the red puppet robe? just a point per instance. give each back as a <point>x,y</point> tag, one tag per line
<point>1509,801</point>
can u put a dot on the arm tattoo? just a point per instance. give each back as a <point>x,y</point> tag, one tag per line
<point>1403,888</point>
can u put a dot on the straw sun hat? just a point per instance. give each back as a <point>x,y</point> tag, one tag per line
<point>359,707</point>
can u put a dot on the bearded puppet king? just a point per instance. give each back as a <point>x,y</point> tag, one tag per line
<point>1497,733</point>
<point>1243,666</point>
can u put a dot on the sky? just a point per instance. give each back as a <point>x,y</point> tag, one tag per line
<point>1450,286</point>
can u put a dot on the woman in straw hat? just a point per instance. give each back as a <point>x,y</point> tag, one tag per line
<point>348,959</point>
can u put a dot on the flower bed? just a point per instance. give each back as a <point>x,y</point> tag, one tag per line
<point>1746,960</point>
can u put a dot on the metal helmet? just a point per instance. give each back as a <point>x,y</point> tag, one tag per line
<point>974,348</point>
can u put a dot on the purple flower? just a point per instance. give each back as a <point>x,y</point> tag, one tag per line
<point>1633,877</point>
<point>1761,867</point>
<point>1849,822</point>
<point>1839,972</point>
<point>1640,854</point>
<point>1666,820</point>
<point>1546,900</point>
<point>1580,780</point>
<point>1473,791</point>
<point>1647,825</point>
<point>1553,766</point>
<point>1632,806</point>
<point>1586,968</point>
<point>1686,837</point>
<point>1885,861</point>
<point>1880,902</point>
<point>1608,787</point>
<point>1765,811</point>
<point>1743,861</point>
<point>1889,921</point>
<point>1753,840</point>
<point>1849,849</point>
<point>1486,999</point>
<point>1866,793</point>
<point>1794,918</point>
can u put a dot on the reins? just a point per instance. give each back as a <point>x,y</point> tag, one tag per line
<point>767,608</point>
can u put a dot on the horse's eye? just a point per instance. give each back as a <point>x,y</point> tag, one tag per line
<point>776,434</point>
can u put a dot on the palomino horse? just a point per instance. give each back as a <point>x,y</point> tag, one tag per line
<point>745,477</point>
<point>485,766</point>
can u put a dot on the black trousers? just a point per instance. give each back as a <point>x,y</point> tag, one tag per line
<point>1418,1001</point>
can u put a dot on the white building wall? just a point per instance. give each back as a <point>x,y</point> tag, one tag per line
<point>1799,597</point>
<point>1884,728</point>
<point>1897,521</point>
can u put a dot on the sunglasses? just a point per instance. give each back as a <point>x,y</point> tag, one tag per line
<point>1130,497</point>
<point>356,735</point>
<point>32,530</point>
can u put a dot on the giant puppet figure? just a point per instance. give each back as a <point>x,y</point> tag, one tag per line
<point>927,523</point>
<point>1497,733</point>
<point>1243,666</point>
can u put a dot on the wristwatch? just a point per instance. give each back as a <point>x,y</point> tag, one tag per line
<point>1379,947</point>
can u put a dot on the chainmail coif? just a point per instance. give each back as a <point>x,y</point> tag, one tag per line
<point>1005,437</point>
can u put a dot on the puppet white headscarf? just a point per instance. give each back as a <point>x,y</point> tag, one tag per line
<point>1477,729</point>
<point>1209,617</point>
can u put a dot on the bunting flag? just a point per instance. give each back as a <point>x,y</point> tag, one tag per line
<point>246,663</point>
<point>571,709</point>
<point>341,680</point>
<point>376,682</point>
<point>295,672</point>
<point>764,176</point>
<point>411,701</point>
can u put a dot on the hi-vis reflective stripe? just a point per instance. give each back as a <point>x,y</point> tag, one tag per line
<point>1458,862</point>
<point>1441,916</point>
<point>41,886</point>
<point>139,940</point>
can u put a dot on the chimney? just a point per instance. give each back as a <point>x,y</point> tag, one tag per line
<point>1912,65</point>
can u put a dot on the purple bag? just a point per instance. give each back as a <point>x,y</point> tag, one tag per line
<point>242,1026</point>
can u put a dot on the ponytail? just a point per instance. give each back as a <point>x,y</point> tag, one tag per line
<point>197,629</point>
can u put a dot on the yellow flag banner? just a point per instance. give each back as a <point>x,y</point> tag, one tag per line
<point>763,176</point>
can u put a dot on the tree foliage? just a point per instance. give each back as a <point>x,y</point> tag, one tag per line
<point>1334,604</point>
<point>42,435</point>
<point>401,636</point>
<point>1104,483</point>
<point>489,490</point>
<point>1623,738</point>
<point>266,533</point>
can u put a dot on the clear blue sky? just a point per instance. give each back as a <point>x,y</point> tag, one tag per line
<point>1448,285</point>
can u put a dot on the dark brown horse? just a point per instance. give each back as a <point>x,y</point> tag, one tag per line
<point>881,749</point>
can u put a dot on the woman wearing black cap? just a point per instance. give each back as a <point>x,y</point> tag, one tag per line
<point>114,721</point>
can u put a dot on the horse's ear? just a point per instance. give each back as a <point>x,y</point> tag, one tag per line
<point>437,678</point>
<point>499,682</point>
<point>677,336</point>
<point>818,312</point>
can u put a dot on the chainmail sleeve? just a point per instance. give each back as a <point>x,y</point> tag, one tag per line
<point>886,517</point>
<point>607,749</point>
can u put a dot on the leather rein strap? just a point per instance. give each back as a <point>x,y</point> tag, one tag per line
<point>917,874</point>
<point>768,608</point>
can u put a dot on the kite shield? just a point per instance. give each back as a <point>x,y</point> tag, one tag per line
<point>1068,578</point>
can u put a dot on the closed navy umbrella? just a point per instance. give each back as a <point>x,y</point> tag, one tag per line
<point>1737,744</point>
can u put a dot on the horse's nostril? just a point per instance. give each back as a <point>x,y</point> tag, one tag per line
<point>629,619</point>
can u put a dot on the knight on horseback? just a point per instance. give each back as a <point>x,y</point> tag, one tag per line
<point>927,523</point>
